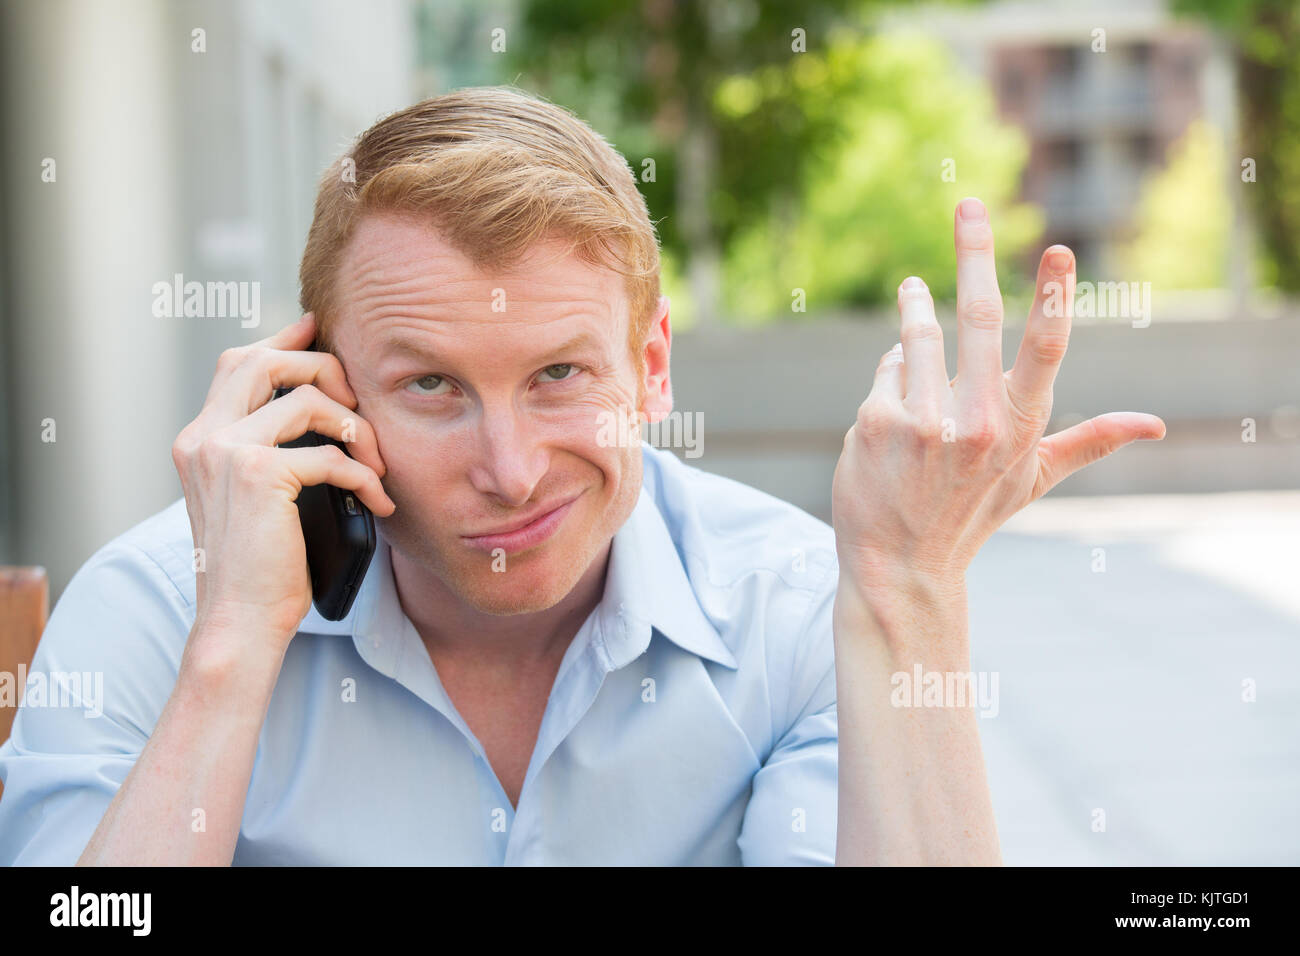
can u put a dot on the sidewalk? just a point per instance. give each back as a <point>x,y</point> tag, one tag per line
<point>1121,690</point>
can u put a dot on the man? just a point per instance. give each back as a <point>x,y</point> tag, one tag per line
<point>568,649</point>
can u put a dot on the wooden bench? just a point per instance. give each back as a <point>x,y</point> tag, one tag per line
<point>24,606</point>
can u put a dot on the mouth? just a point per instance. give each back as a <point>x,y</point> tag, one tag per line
<point>523,536</point>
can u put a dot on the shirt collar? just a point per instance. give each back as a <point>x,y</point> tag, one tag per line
<point>646,589</point>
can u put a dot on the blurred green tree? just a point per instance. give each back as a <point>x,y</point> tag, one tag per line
<point>917,135</point>
<point>1198,260</point>
<point>1266,36</point>
<point>781,147</point>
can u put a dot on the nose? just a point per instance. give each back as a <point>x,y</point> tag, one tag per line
<point>510,458</point>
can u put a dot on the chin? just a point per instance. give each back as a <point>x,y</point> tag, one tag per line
<point>523,589</point>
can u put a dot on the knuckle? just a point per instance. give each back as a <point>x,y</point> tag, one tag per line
<point>307,392</point>
<point>983,433</point>
<point>338,458</point>
<point>1048,347</point>
<point>866,411</point>
<point>982,312</point>
<point>259,358</point>
<point>922,331</point>
<point>307,406</point>
<point>248,461</point>
<point>209,454</point>
<point>232,358</point>
<point>928,430</point>
<point>874,422</point>
<point>183,447</point>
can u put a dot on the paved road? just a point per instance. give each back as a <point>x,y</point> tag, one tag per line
<point>1121,690</point>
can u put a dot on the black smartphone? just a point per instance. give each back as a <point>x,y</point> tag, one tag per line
<point>339,532</point>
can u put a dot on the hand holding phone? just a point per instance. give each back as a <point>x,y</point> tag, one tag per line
<point>248,472</point>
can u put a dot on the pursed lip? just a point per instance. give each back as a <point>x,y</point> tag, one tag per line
<point>523,522</point>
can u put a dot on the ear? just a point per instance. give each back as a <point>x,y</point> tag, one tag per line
<point>657,389</point>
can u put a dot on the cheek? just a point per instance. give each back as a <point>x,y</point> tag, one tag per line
<point>602,437</point>
<point>421,464</point>
<point>604,423</point>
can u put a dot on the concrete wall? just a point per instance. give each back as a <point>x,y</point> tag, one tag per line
<point>775,402</point>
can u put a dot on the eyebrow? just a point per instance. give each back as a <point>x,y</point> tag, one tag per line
<point>402,345</point>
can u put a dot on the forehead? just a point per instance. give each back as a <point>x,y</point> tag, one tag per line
<point>401,273</point>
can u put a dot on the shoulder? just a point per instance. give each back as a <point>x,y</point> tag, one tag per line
<point>139,587</point>
<point>727,531</point>
<point>120,627</point>
<point>161,544</point>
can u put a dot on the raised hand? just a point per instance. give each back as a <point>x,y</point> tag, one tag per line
<point>932,467</point>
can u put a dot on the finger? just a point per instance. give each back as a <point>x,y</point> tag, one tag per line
<point>979,302</point>
<point>1064,453</point>
<point>306,409</point>
<point>927,377</point>
<point>249,385</point>
<point>327,465</point>
<point>890,383</point>
<point>299,335</point>
<point>293,337</point>
<point>253,382</point>
<point>1047,333</point>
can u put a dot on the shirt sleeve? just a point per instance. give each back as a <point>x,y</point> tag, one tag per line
<point>103,670</point>
<point>791,816</point>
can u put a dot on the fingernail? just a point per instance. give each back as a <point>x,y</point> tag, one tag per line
<point>1059,261</point>
<point>898,347</point>
<point>971,209</point>
<point>912,282</point>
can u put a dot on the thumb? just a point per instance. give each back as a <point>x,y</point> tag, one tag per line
<point>1064,453</point>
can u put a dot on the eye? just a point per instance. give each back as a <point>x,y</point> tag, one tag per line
<point>428,385</point>
<point>560,372</point>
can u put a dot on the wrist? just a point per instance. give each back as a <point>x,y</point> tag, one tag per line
<point>904,612</point>
<point>875,580</point>
<point>225,655</point>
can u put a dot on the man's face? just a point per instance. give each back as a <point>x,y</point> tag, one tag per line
<point>494,396</point>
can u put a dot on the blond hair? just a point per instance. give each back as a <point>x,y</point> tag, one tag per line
<point>495,170</point>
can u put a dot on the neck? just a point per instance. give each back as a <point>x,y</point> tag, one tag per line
<point>453,630</point>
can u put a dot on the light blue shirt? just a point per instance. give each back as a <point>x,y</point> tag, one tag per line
<point>692,720</point>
